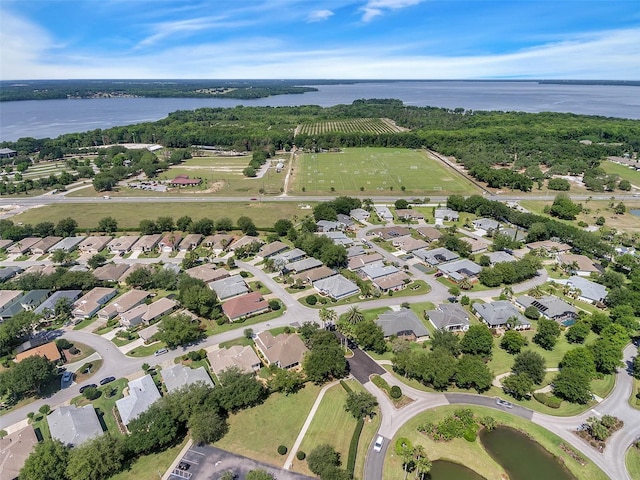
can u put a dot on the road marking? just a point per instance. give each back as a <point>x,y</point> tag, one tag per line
<point>199,453</point>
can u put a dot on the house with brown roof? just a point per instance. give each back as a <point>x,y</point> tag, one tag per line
<point>243,242</point>
<point>245,306</point>
<point>43,270</point>
<point>409,214</point>
<point>123,303</point>
<point>8,296</point>
<point>394,282</point>
<point>315,274</point>
<point>207,272</point>
<point>218,243</point>
<point>579,264</point>
<point>356,263</point>
<point>48,350</point>
<point>121,245</point>
<point>4,244</point>
<point>15,448</point>
<point>122,279</point>
<point>430,234</point>
<point>390,233</point>
<point>477,246</point>
<point>147,243</point>
<point>147,313</point>
<point>549,246</point>
<point>184,181</point>
<point>242,357</point>
<point>285,350</point>
<point>271,249</point>
<point>190,242</point>
<point>24,245</point>
<point>111,272</point>
<point>87,305</point>
<point>409,244</point>
<point>170,242</point>
<point>44,245</point>
<point>94,244</point>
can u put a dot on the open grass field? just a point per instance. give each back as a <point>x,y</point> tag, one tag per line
<point>150,467</point>
<point>625,173</point>
<point>472,454</point>
<point>257,432</point>
<point>596,208</point>
<point>376,171</point>
<point>128,215</point>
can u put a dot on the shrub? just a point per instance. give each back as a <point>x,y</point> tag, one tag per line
<point>353,447</point>
<point>274,305</point>
<point>395,392</point>
<point>346,387</point>
<point>74,351</point>
<point>380,382</point>
<point>244,274</point>
<point>554,402</point>
<point>91,393</point>
<point>403,443</point>
<point>469,435</point>
<point>300,455</point>
<point>311,300</point>
<point>282,450</point>
<point>63,343</point>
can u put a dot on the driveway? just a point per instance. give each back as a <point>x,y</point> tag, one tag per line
<point>361,365</point>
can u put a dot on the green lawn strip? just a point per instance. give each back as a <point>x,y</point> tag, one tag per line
<point>263,290</point>
<point>625,173</point>
<point>419,309</point>
<point>146,350</point>
<point>120,342</point>
<point>85,351</point>
<point>632,459</point>
<point>372,313</point>
<point>84,323</point>
<point>257,432</point>
<point>214,329</point>
<point>41,426</point>
<point>472,454</point>
<point>602,387</point>
<point>150,467</point>
<point>417,287</point>
<point>104,404</point>
<point>635,390</point>
<point>242,341</point>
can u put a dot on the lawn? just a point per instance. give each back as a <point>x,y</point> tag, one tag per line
<point>257,432</point>
<point>128,215</point>
<point>632,460</point>
<point>633,400</point>
<point>473,455</point>
<point>84,323</point>
<point>213,328</point>
<point>85,351</point>
<point>419,309</point>
<point>331,424</point>
<point>151,467</point>
<point>146,350</point>
<point>104,405</point>
<point>376,171</point>
<point>625,173</point>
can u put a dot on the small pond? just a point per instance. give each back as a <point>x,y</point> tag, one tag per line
<point>443,470</point>
<point>635,211</point>
<point>521,457</point>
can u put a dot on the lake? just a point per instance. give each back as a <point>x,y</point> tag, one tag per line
<point>635,211</point>
<point>443,470</point>
<point>50,118</point>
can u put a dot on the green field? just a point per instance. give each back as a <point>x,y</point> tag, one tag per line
<point>128,215</point>
<point>623,172</point>
<point>633,462</point>
<point>376,171</point>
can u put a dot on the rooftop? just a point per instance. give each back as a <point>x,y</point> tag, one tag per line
<point>179,376</point>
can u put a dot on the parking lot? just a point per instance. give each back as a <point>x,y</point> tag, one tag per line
<point>211,463</point>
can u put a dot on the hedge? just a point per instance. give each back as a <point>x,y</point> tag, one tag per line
<point>548,400</point>
<point>346,387</point>
<point>353,447</point>
<point>380,382</point>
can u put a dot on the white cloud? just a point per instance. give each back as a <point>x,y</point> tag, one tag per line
<point>319,15</point>
<point>375,8</point>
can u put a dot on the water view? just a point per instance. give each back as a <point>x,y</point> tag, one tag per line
<point>443,470</point>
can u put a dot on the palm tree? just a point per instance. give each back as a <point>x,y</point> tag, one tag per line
<point>536,292</point>
<point>354,315</point>
<point>507,291</point>
<point>422,463</point>
<point>327,315</point>
<point>407,459</point>
<point>465,284</point>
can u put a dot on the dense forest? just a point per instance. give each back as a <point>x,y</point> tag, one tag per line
<point>52,89</point>
<point>503,149</point>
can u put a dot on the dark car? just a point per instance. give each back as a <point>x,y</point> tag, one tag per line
<point>106,380</point>
<point>183,466</point>
<point>84,387</point>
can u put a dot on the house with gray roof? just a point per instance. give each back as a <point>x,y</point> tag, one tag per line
<point>436,256</point>
<point>142,394</point>
<point>4,244</point>
<point>302,265</point>
<point>590,292</point>
<point>324,226</point>
<point>403,324</point>
<point>48,307</point>
<point>338,238</point>
<point>500,257</point>
<point>245,241</point>
<point>383,212</point>
<point>359,214</point>
<point>27,302</point>
<point>8,296</point>
<point>68,244</point>
<point>7,273</point>
<point>485,225</point>
<point>229,287</point>
<point>73,425</point>
<point>550,307</point>
<point>345,222</point>
<point>377,270</point>
<point>289,256</point>
<point>497,314</point>
<point>180,376</point>
<point>514,233</point>
<point>460,269</point>
<point>446,214</point>
<point>355,250</point>
<point>450,317</point>
<point>336,287</point>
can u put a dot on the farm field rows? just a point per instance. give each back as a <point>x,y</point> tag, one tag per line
<point>378,171</point>
<point>355,125</point>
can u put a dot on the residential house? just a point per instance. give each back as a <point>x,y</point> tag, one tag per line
<point>123,303</point>
<point>4,244</point>
<point>445,214</point>
<point>33,342</point>
<point>94,244</point>
<point>589,291</point>
<point>436,256</point>
<point>356,263</point>
<point>551,307</point>
<point>48,350</point>
<point>8,296</point>
<point>460,269</point>
<point>383,212</point>
<point>243,358</point>
<point>7,273</point>
<point>403,324</point>
<point>324,226</point>
<point>377,270</point>
<point>579,264</point>
<point>498,314</point>
<point>122,245</point>
<point>43,270</point>
<point>23,246</point>
<point>44,245</point>
<point>147,333</point>
<point>111,272</point>
<point>338,238</point>
<point>271,249</point>
<point>476,245</point>
<point>73,425</point>
<point>449,317</point>
<point>285,350</point>
<point>15,448</point>
<point>207,272</point>
<point>409,244</point>
<point>218,243</point>
<point>122,279</point>
<point>315,274</point>
<point>284,258</point>
<point>184,181</point>
<point>515,234</point>
<point>430,234</point>
<point>169,242</point>
<point>190,242</point>
<point>147,313</point>
<point>500,257</point>
<point>391,233</point>
<point>336,287</point>
<point>89,304</point>
<point>245,306</point>
<point>408,214</point>
<point>142,394</point>
<point>147,243</point>
<point>179,376</point>
<point>48,307</point>
<point>355,250</point>
<point>393,282</point>
<point>549,246</point>
<point>302,265</point>
<point>245,241</point>
<point>7,153</point>
<point>359,215</point>
<point>68,244</point>
<point>27,302</point>
<point>345,222</point>
<point>483,226</point>
<point>229,287</point>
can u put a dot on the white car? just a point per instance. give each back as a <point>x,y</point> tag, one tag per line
<point>504,403</point>
<point>378,445</point>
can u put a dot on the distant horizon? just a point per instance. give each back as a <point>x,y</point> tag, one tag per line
<point>350,80</point>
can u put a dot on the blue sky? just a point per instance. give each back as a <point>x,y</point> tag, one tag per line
<point>351,39</point>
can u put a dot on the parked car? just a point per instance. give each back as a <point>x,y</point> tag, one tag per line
<point>378,445</point>
<point>67,376</point>
<point>84,387</point>
<point>160,352</point>
<point>504,403</point>
<point>106,380</point>
<point>183,466</point>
